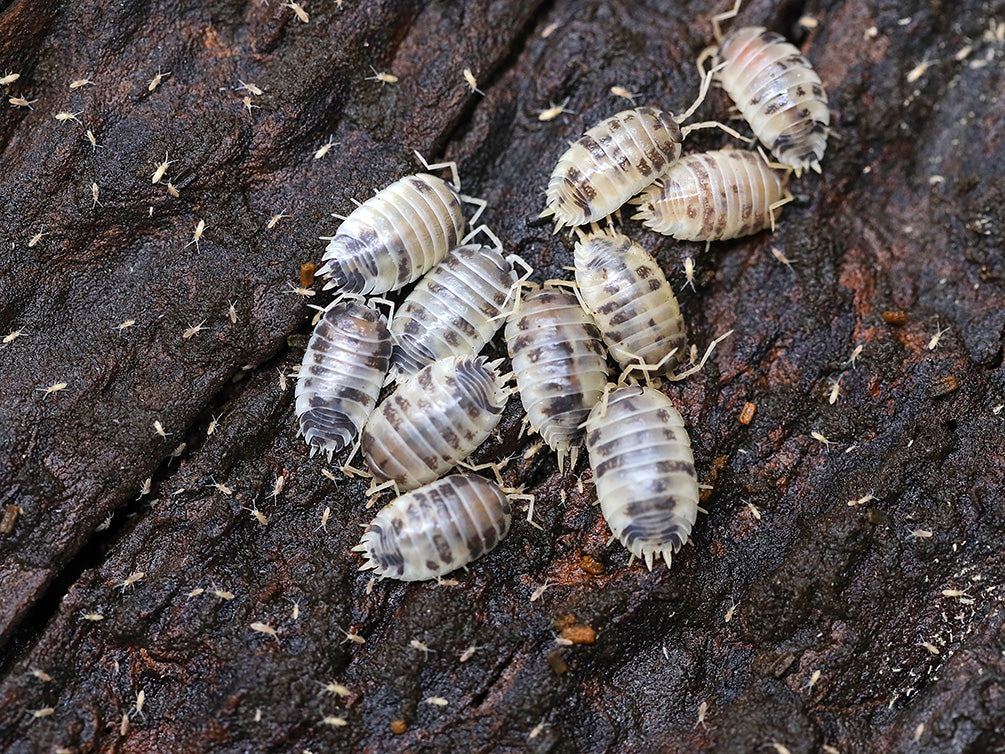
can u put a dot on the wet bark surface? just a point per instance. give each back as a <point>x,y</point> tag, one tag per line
<point>844,589</point>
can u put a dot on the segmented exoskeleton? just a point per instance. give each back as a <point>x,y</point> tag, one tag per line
<point>341,374</point>
<point>644,471</point>
<point>713,196</point>
<point>631,301</point>
<point>455,309</point>
<point>436,529</point>
<point>433,421</point>
<point>560,365</point>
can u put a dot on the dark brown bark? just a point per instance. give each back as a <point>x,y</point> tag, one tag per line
<point>907,216</point>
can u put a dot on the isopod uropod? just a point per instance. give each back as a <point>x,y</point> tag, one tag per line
<point>396,236</point>
<point>342,371</point>
<point>631,301</point>
<point>611,163</point>
<point>455,309</point>
<point>433,421</point>
<point>778,93</point>
<point>711,196</point>
<point>436,529</point>
<point>560,366</point>
<point>644,471</point>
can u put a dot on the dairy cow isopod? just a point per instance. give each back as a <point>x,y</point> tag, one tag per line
<point>644,471</point>
<point>436,529</point>
<point>341,373</point>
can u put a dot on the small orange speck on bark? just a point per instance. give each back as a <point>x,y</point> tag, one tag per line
<point>579,634</point>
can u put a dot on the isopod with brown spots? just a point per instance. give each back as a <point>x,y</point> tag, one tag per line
<point>777,91</point>
<point>436,529</point>
<point>396,236</point>
<point>644,471</point>
<point>631,301</point>
<point>610,163</point>
<point>455,309</point>
<point>713,196</point>
<point>342,371</point>
<point>560,365</point>
<point>433,421</point>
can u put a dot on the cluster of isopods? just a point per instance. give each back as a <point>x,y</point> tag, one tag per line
<point>448,399</point>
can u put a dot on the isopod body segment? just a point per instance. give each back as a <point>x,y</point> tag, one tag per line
<point>644,471</point>
<point>433,421</point>
<point>778,93</point>
<point>611,163</point>
<point>395,237</point>
<point>436,529</point>
<point>342,371</point>
<point>713,196</point>
<point>631,301</point>
<point>454,310</point>
<point>560,365</point>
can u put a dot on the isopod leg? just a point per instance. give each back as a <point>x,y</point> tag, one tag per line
<point>530,508</point>
<point>452,166</point>
<point>717,19</point>
<point>775,165</point>
<point>706,82</point>
<point>646,369</point>
<point>375,489</point>
<point>488,234</point>
<point>387,303</point>
<point>778,205</point>
<point>481,204</point>
<point>704,55</point>
<point>716,124</point>
<point>698,367</point>
<point>349,470</point>
<point>495,466</point>
<point>515,260</point>
<point>529,285</point>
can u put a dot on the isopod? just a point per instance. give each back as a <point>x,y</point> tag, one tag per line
<point>610,163</point>
<point>343,369</point>
<point>433,421</point>
<point>644,471</point>
<point>631,301</point>
<point>560,365</point>
<point>455,309</point>
<point>396,236</point>
<point>436,529</point>
<point>778,93</point>
<point>712,196</point>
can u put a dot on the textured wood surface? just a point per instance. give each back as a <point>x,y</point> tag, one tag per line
<point>796,618</point>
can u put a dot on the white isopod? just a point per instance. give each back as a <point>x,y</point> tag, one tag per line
<point>560,365</point>
<point>455,309</point>
<point>343,368</point>
<point>396,236</point>
<point>436,529</point>
<point>631,302</point>
<point>433,421</point>
<point>611,163</point>
<point>778,93</point>
<point>713,196</point>
<point>644,471</point>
